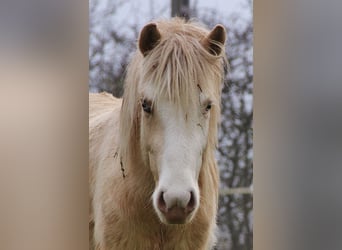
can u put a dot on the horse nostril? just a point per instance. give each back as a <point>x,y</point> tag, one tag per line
<point>176,204</point>
<point>161,203</point>
<point>191,204</point>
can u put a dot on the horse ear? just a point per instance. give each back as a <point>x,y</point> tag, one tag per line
<point>215,41</point>
<point>149,38</point>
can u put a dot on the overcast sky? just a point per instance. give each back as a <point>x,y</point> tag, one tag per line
<point>225,7</point>
<point>139,12</point>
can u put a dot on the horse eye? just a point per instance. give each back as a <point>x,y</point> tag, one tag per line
<point>208,107</point>
<point>146,105</point>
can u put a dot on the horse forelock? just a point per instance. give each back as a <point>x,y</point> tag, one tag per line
<point>178,68</point>
<point>179,63</point>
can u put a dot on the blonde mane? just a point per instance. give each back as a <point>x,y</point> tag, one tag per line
<point>176,67</point>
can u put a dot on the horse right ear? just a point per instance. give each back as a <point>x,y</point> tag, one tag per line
<point>149,38</point>
<point>215,41</point>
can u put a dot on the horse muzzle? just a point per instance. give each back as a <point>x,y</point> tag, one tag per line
<point>177,207</point>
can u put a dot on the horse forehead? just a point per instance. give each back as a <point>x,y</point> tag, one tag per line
<point>178,118</point>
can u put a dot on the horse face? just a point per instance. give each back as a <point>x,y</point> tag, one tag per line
<point>173,136</point>
<point>173,142</point>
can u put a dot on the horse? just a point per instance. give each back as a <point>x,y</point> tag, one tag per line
<point>152,171</point>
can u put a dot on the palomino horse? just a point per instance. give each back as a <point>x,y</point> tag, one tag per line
<point>153,176</point>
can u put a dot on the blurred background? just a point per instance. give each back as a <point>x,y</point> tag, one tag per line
<point>114,26</point>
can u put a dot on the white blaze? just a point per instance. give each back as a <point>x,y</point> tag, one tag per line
<point>181,157</point>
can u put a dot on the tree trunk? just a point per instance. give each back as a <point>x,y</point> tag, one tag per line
<point>180,8</point>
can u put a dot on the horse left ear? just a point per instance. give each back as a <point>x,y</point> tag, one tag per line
<point>149,38</point>
<point>215,41</point>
